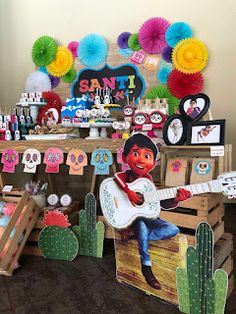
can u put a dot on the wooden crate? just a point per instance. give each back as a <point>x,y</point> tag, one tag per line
<point>166,256</point>
<point>30,214</point>
<point>31,247</point>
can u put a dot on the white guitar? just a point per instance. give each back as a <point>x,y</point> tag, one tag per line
<point>120,213</point>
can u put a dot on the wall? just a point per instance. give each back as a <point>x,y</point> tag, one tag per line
<point>22,22</point>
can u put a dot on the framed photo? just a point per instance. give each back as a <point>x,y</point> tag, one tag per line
<point>174,132</point>
<point>194,107</point>
<point>206,133</point>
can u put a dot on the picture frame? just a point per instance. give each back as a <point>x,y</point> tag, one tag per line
<point>206,133</point>
<point>175,130</point>
<point>194,107</point>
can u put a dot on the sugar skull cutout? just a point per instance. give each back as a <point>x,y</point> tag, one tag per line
<point>53,157</point>
<point>31,159</point>
<point>10,158</point>
<point>202,167</point>
<point>124,166</point>
<point>128,111</point>
<point>101,160</point>
<point>76,160</point>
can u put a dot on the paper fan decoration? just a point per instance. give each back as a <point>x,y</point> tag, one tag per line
<point>73,47</point>
<point>52,99</point>
<point>92,50</point>
<point>167,54</point>
<point>37,82</point>
<point>163,73</point>
<point>43,69</point>
<point>177,32</point>
<point>44,50</point>
<point>62,63</point>
<point>70,76</point>
<point>125,52</point>
<point>54,80</point>
<point>152,34</point>
<point>190,56</point>
<point>122,40</point>
<point>162,91</point>
<point>181,85</point>
<point>133,42</point>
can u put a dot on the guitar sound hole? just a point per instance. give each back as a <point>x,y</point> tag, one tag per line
<point>141,203</point>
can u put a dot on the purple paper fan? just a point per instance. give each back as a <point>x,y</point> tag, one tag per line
<point>54,80</point>
<point>167,53</point>
<point>122,40</point>
<point>152,35</point>
<point>73,47</point>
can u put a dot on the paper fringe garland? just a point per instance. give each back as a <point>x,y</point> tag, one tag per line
<point>181,85</point>
<point>152,34</point>
<point>133,42</point>
<point>37,82</point>
<point>70,76</point>
<point>62,63</point>
<point>163,73</point>
<point>177,32</point>
<point>190,56</point>
<point>162,91</point>
<point>92,50</point>
<point>73,47</point>
<point>44,51</point>
<point>122,40</point>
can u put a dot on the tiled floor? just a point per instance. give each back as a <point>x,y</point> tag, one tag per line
<point>86,285</point>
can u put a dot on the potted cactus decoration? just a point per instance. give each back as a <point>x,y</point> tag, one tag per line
<point>56,240</point>
<point>199,290</point>
<point>90,232</point>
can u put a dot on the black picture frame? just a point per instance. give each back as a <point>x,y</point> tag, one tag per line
<point>194,138</point>
<point>167,125</point>
<point>194,97</point>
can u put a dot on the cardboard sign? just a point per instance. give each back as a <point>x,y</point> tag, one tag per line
<point>202,170</point>
<point>123,81</point>
<point>176,172</point>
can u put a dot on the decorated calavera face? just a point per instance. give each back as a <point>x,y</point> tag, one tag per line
<point>202,167</point>
<point>53,157</point>
<point>31,159</point>
<point>101,160</point>
<point>140,119</point>
<point>128,111</point>
<point>156,117</point>
<point>76,160</point>
<point>10,158</point>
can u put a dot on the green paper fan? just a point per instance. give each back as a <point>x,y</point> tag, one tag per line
<point>70,76</point>
<point>162,91</point>
<point>44,50</point>
<point>133,42</point>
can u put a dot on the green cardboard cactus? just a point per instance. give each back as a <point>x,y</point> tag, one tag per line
<point>90,232</point>
<point>57,241</point>
<point>199,291</point>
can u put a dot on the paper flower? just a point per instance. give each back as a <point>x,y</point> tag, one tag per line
<point>163,73</point>
<point>125,52</point>
<point>162,91</point>
<point>181,85</point>
<point>167,54</point>
<point>62,63</point>
<point>152,35</point>
<point>43,69</point>
<point>92,50</point>
<point>133,42</point>
<point>37,82</point>
<point>122,40</point>
<point>177,32</point>
<point>54,80</point>
<point>52,99</point>
<point>44,50</point>
<point>70,76</point>
<point>73,47</point>
<point>190,56</point>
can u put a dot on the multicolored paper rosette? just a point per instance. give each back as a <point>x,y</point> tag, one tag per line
<point>162,91</point>
<point>122,40</point>
<point>62,63</point>
<point>190,56</point>
<point>181,84</point>
<point>44,50</point>
<point>133,42</point>
<point>177,32</point>
<point>73,47</point>
<point>163,74</point>
<point>37,81</point>
<point>70,76</point>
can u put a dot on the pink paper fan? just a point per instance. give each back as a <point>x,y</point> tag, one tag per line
<point>73,47</point>
<point>152,35</point>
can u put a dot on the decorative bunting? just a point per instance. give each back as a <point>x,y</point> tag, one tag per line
<point>101,160</point>
<point>53,157</point>
<point>31,159</point>
<point>77,160</point>
<point>10,158</point>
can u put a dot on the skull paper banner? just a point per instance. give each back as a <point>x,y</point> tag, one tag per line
<point>202,170</point>
<point>31,159</point>
<point>101,160</point>
<point>53,157</point>
<point>10,158</point>
<point>76,160</point>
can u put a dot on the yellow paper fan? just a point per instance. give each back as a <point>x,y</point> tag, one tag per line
<point>62,62</point>
<point>190,56</point>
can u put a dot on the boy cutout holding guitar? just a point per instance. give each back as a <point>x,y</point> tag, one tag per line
<point>140,154</point>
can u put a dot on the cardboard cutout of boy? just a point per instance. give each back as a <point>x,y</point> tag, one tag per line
<point>140,154</point>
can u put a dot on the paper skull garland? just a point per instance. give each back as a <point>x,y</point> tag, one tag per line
<point>31,159</point>
<point>10,158</point>
<point>124,166</point>
<point>76,160</point>
<point>53,157</point>
<point>101,160</point>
